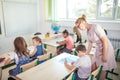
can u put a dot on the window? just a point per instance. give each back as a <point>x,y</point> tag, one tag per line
<point>106,8</point>
<point>61,9</point>
<point>93,9</point>
<point>118,10</point>
<point>78,7</point>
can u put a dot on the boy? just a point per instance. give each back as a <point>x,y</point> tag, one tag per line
<point>68,42</point>
<point>83,64</point>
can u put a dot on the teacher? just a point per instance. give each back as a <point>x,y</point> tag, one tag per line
<point>104,54</point>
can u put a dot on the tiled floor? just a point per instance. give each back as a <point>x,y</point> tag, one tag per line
<point>117,70</point>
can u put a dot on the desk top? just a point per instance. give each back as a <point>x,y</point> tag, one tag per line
<point>52,36</point>
<point>53,42</point>
<point>52,69</point>
<point>4,55</point>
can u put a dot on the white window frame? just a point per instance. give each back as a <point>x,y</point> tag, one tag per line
<point>2,20</point>
<point>97,17</point>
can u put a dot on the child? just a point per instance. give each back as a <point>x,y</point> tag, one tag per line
<point>78,34</point>
<point>20,55</point>
<point>68,42</point>
<point>38,51</point>
<point>83,64</point>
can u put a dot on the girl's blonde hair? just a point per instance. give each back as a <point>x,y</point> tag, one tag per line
<point>37,39</point>
<point>40,41</point>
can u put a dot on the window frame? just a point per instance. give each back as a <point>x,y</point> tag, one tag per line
<point>2,20</point>
<point>97,17</point>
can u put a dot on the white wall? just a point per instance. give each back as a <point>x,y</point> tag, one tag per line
<point>6,42</point>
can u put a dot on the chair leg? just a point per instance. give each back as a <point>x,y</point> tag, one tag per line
<point>112,72</point>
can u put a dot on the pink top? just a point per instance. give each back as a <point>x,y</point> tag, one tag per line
<point>69,42</point>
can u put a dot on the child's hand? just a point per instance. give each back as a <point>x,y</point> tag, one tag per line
<point>57,42</point>
<point>72,63</point>
<point>65,62</point>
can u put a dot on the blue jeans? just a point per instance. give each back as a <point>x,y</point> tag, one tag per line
<point>66,50</point>
<point>77,77</point>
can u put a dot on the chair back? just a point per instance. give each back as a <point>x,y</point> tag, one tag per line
<point>29,65</point>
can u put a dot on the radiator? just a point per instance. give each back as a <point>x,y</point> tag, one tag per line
<point>114,37</point>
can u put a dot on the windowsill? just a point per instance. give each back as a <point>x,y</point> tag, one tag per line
<point>109,21</point>
<point>89,20</point>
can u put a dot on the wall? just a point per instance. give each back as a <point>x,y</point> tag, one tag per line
<point>6,42</point>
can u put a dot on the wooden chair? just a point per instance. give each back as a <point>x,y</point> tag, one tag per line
<point>76,44</point>
<point>45,46</point>
<point>97,73</point>
<point>45,57</point>
<point>71,77</point>
<point>112,71</point>
<point>29,65</point>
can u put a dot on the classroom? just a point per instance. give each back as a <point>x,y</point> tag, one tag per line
<point>59,40</point>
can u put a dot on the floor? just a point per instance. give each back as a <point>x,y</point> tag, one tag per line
<point>117,70</point>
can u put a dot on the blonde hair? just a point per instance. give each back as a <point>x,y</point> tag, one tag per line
<point>83,18</point>
<point>37,39</point>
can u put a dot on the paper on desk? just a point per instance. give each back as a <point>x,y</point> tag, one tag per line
<point>60,39</point>
<point>69,59</point>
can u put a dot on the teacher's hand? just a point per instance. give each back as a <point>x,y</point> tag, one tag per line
<point>104,59</point>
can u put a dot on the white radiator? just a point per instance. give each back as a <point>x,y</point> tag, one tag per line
<point>114,37</point>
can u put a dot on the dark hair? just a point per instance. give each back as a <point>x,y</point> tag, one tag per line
<point>20,46</point>
<point>37,39</point>
<point>81,48</point>
<point>65,32</point>
<point>105,31</point>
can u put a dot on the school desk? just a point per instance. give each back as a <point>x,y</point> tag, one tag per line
<point>51,37</point>
<point>53,69</point>
<point>5,55</point>
<point>52,45</point>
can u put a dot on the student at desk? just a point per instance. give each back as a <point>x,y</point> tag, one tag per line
<point>68,42</point>
<point>83,64</point>
<point>38,50</point>
<point>20,55</point>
